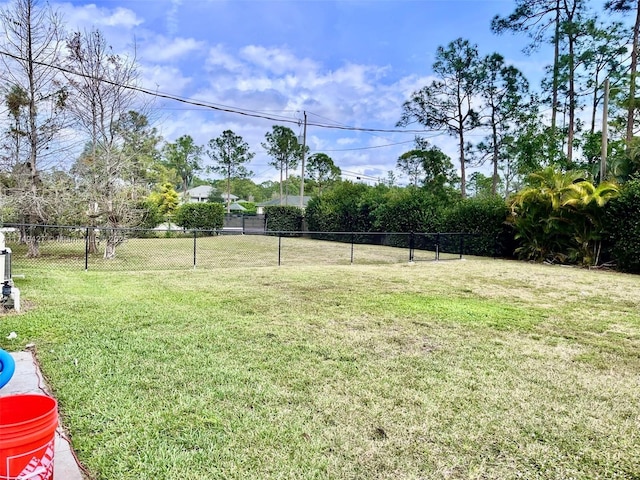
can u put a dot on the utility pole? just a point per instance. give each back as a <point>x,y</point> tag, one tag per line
<point>605,138</point>
<point>304,148</point>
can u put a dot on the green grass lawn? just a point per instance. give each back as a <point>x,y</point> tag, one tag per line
<point>218,251</point>
<point>438,370</point>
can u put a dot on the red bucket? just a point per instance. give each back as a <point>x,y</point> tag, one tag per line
<point>27,434</point>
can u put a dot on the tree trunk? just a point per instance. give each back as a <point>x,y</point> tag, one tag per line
<point>496,154</point>
<point>633,73</point>
<point>594,104</point>
<point>92,241</point>
<point>229,193</point>
<point>114,238</point>
<point>286,179</point>
<point>281,169</point>
<point>572,101</point>
<point>33,246</point>
<point>463,179</point>
<point>110,247</point>
<point>556,71</point>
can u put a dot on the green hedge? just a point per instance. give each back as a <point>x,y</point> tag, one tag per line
<point>283,219</point>
<point>358,208</point>
<point>200,216</point>
<point>486,219</point>
<point>622,227</point>
<point>408,210</point>
<point>345,208</point>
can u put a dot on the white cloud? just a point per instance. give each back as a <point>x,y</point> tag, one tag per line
<point>219,58</point>
<point>172,17</point>
<point>261,78</point>
<point>276,60</point>
<point>121,17</point>
<point>257,83</point>
<point>163,49</point>
<point>89,16</point>
<point>117,25</point>
<point>278,83</point>
<point>165,79</point>
<point>361,77</point>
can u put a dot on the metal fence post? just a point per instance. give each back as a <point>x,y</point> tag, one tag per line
<point>86,249</point>
<point>461,244</point>
<point>279,247</point>
<point>438,246</point>
<point>195,236</point>
<point>353,240</point>
<point>411,246</point>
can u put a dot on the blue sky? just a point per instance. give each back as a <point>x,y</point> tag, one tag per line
<point>343,62</point>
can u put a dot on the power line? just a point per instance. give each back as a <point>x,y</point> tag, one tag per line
<point>383,146</point>
<point>208,105</point>
<point>367,148</point>
<point>339,125</point>
<point>358,175</point>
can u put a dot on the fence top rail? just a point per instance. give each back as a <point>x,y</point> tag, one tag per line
<point>223,230</point>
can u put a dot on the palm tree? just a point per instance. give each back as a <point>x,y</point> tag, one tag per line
<point>585,203</point>
<point>559,217</point>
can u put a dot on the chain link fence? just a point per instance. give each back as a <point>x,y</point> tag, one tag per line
<point>87,248</point>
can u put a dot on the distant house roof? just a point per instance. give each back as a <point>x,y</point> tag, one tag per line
<point>236,207</point>
<point>202,193</point>
<point>168,226</point>
<point>291,200</point>
<point>199,194</point>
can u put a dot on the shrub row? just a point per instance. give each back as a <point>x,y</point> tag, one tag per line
<point>200,216</point>
<point>283,219</point>
<point>622,228</point>
<point>356,207</point>
<point>352,207</point>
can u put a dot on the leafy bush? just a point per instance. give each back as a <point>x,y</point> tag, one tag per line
<point>622,224</point>
<point>486,219</point>
<point>408,210</point>
<point>151,217</point>
<point>342,209</point>
<point>251,208</point>
<point>560,217</point>
<point>283,218</point>
<point>199,216</point>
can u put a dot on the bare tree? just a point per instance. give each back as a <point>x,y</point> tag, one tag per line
<point>31,47</point>
<point>101,98</point>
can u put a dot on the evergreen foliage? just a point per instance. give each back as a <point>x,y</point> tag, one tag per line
<point>338,210</point>
<point>409,210</point>
<point>199,216</point>
<point>283,218</point>
<point>250,207</point>
<point>152,216</point>
<point>623,227</point>
<point>485,217</point>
